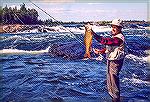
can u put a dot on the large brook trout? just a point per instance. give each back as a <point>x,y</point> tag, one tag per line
<point>88,41</point>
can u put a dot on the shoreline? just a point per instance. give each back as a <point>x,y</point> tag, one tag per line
<point>11,28</point>
<point>15,28</point>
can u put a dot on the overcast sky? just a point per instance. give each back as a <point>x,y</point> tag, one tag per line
<point>75,10</point>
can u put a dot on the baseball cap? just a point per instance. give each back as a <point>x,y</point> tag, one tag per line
<point>117,22</point>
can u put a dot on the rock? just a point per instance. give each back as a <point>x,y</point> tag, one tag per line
<point>69,50</point>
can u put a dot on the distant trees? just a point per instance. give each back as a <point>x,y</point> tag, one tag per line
<point>18,16</point>
<point>1,12</point>
<point>9,15</point>
<point>103,22</point>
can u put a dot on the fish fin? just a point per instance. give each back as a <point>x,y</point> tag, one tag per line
<point>87,55</point>
<point>85,58</point>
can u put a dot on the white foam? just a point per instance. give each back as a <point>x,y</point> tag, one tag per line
<point>135,80</point>
<point>72,29</point>
<point>147,59</point>
<point>16,37</point>
<point>16,51</point>
<point>136,58</point>
<point>101,28</point>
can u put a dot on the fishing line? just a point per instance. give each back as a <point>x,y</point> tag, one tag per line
<point>54,31</point>
<point>18,17</point>
<point>57,21</point>
<point>28,28</point>
<point>13,46</point>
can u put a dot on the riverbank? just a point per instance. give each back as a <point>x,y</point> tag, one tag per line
<point>11,28</point>
<point>15,28</point>
<point>1,29</point>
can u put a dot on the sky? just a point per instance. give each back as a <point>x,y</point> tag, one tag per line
<point>80,10</point>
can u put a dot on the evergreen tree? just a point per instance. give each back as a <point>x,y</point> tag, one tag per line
<point>21,16</point>
<point>5,15</point>
<point>1,17</point>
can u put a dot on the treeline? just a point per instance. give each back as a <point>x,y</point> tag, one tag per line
<point>9,15</point>
<point>18,16</point>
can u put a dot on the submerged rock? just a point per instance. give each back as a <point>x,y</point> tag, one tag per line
<point>69,50</point>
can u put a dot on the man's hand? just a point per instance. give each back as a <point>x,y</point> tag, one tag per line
<point>97,51</point>
<point>88,27</point>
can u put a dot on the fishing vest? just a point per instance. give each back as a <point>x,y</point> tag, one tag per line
<point>116,52</point>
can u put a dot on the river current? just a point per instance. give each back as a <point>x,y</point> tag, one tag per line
<point>30,73</point>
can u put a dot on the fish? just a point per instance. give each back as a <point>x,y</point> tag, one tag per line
<point>88,36</point>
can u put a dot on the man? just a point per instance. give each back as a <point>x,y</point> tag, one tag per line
<point>115,55</point>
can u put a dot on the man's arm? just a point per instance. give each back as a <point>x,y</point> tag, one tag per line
<point>97,37</point>
<point>107,41</point>
<point>98,51</point>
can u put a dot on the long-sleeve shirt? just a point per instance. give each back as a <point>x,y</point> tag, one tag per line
<point>108,41</point>
<point>102,51</point>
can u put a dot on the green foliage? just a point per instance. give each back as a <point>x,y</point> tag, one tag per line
<point>1,12</point>
<point>18,16</point>
<point>103,22</point>
<point>28,16</point>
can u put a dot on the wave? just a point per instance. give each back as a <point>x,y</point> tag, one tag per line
<point>135,81</point>
<point>137,58</point>
<point>147,59</point>
<point>16,51</point>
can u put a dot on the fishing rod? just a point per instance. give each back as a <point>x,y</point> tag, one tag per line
<point>12,46</point>
<point>60,24</point>
<point>56,21</point>
<point>24,24</point>
<point>56,32</point>
<point>18,17</point>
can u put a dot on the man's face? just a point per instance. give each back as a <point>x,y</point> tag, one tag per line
<point>116,29</point>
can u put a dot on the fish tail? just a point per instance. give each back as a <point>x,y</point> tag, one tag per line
<point>87,55</point>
